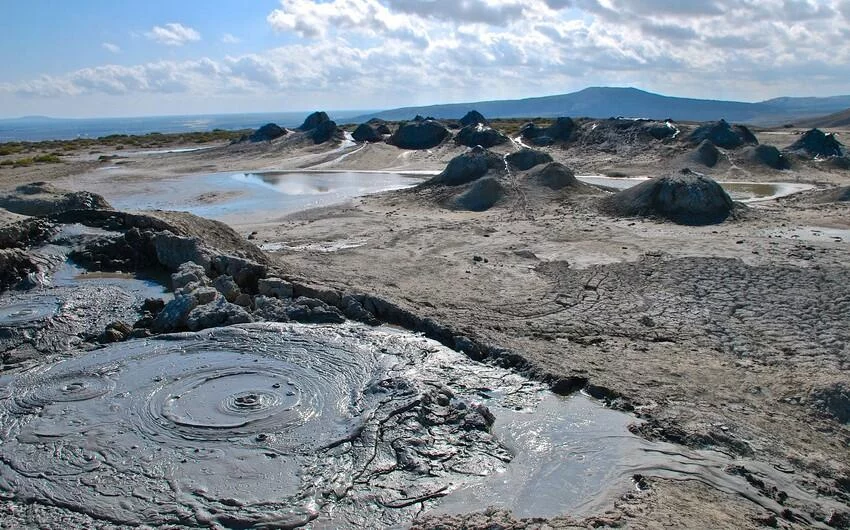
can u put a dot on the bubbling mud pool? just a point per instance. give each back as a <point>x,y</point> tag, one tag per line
<point>281,425</point>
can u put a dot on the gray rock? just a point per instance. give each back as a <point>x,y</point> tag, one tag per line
<point>173,251</point>
<point>188,273</point>
<point>274,287</point>
<point>270,309</point>
<point>219,313</point>
<point>226,285</point>
<point>312,311</point>
<point>244,300</point>
<point>205,295</point>
<point>245,273</point>
<point>174,315</point>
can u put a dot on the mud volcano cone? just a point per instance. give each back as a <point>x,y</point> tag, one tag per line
<point>686,198</point>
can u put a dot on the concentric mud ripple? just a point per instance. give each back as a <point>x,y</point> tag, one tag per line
<point>36,309</point>
<point>228,427</point>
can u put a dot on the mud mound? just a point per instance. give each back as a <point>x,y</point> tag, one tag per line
<point>616,133</point>
<point>473,117</point>
<point>685,198</point>
<point>745,134</point>
<point>525,159</point>
<point>816,143</point>
<point>366,133</point>
<point>419,134</point>
<point>481,196</point>
<point>722,135</point>
<point>768,155</point>
<point>553,175</point>
<point>706,154</point>
<point>467,167</point>
<point>840,162</point>
<point>324,132</point>
<point>313,121</point>
<point>562,130</point>
<point>267,133</point>
<point>41,198</point>
<point>479,134</point>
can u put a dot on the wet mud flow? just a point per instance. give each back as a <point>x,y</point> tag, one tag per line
<point>283,425</point>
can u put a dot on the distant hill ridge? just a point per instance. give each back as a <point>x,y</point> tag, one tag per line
<point>838,119</point>
<point>604,102</point>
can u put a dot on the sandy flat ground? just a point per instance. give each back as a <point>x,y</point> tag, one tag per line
<point>726,336</point>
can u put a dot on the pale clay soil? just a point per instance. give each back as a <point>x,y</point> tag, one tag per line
<point>716,335</point>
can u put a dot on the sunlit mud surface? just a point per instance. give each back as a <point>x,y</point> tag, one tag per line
<point>283,424</point>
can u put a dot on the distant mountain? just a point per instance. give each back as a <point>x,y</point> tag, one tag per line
<point>838,119</point>
<point>604,102</point>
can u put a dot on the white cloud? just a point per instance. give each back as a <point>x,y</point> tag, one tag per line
<point>228,38</point>
<point>113,48</point>
<point>392,52</point>
<point>173,34</point>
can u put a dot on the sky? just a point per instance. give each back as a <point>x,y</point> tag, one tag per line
<point>160,57</point>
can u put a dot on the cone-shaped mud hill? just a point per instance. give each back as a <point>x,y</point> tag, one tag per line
<point>686,198</point>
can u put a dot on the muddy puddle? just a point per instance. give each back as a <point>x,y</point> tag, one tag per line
<point>65,306</point>
<point>240,198</point>
<point>746,192</point>
<point>282,425</point>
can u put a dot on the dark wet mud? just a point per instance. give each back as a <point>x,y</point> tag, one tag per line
<point>279,425</point>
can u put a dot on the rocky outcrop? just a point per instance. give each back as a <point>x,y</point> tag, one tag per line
<point>816,143</point>
<point>685,198</point>
<point>525,159</point>
<point>314,120</point>
<point>419,134</point>
<point>473,117</point>
<point>768,155</point>
<point>468,167</point>
<point>479,134</point>
<point>43,199</point>
<point>723,135</point>
<point>25,233</point>
<point>267,133</point>
<point>15,265</point>
<point>482,195</point>
<point>366,133</point>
